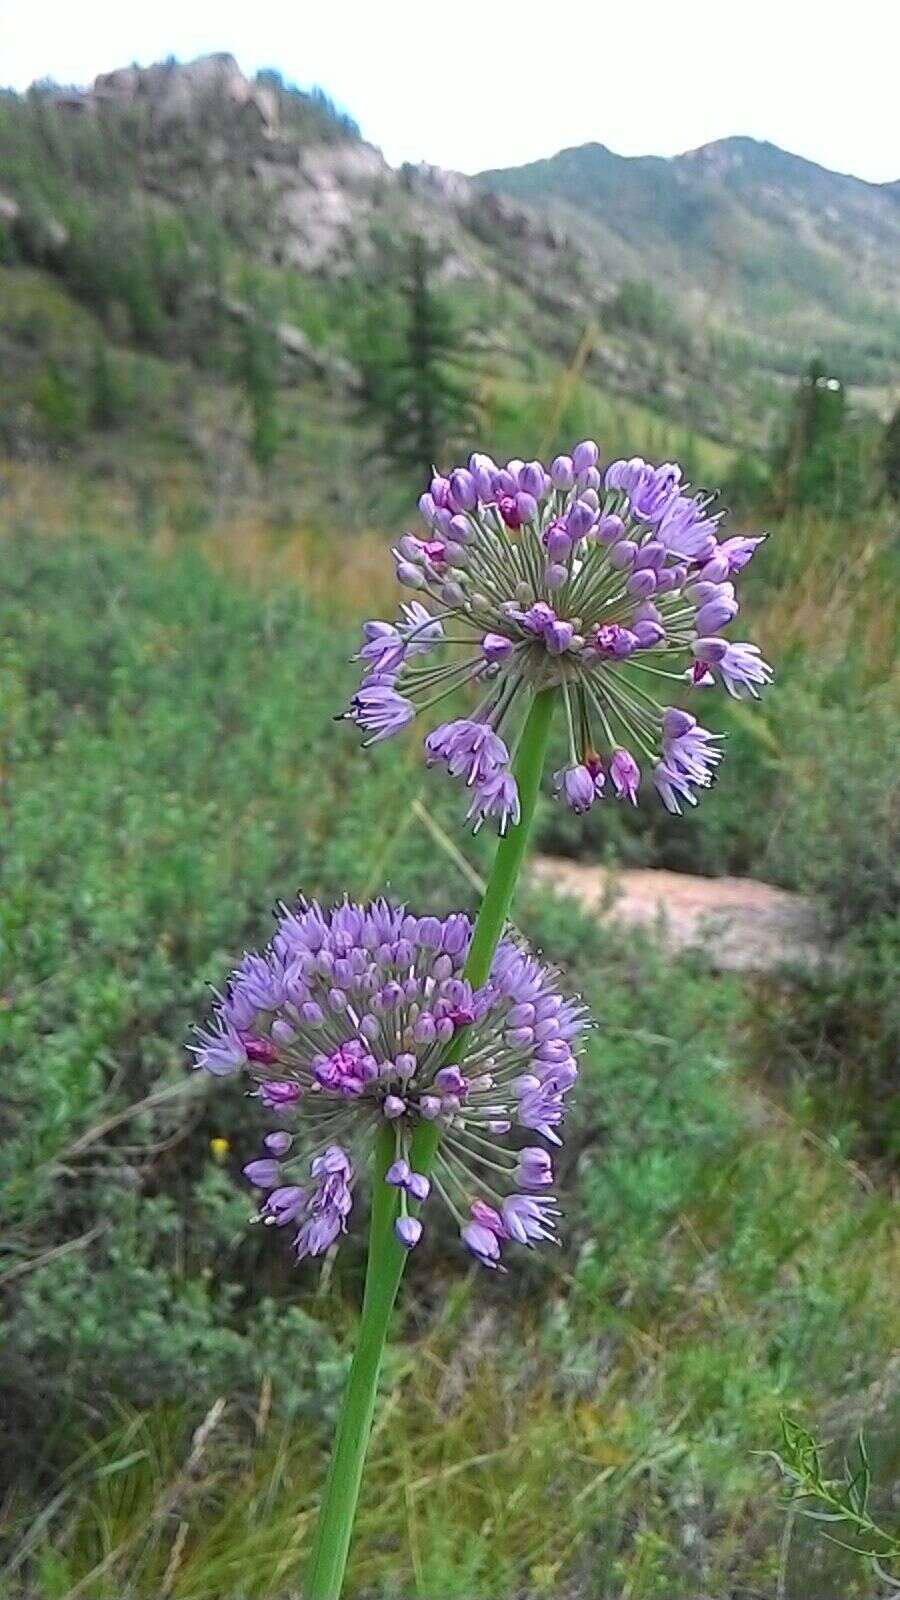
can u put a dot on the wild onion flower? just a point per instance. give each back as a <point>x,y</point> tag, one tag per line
<point>359,1017</point>
<point>613,587</point>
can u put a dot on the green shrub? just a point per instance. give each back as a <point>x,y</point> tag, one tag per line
<point>839,840</point>
<point>59,405</point>
<point>172,767</point>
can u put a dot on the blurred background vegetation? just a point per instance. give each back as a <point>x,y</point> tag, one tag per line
<point>215,414</point>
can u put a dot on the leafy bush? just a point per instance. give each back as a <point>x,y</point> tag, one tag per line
<point>639,305</point>
<point>839,840</point>
<point>58,405</point>
<point>169,774</point>
<point>840,821</point>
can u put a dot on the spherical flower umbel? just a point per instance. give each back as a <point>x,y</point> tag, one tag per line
<point>360,1017</point>
<point>612,586</point>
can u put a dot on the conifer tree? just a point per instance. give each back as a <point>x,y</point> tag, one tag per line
<point>890,456</point>
<point>412,354</point>
<point>257,368</point>
<point>819,462</point>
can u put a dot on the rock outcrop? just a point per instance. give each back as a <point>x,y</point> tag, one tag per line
<point>172,92</point>
<point>736,924</point>
<point>328,195</point>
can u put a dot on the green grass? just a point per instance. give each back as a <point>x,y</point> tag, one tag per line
<point>33,305</point>
<point>542,413</point>
<point>588,1425</point>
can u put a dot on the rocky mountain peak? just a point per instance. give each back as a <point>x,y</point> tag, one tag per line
<point>173,92</point>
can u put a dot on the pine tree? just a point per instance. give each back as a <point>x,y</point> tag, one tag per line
<point>890,456</point>
<point>413,355</point>
<point>819,462</point>
<point>257,368</point>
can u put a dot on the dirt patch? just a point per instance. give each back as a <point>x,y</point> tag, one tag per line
<point>739,924</point>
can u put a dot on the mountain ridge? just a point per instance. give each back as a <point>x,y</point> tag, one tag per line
<point>741,230</point>
<point>733,142</point>
<point>700,285</point>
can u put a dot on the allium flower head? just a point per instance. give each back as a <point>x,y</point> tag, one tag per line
<point>612,586</point>
<point>360,1016</point>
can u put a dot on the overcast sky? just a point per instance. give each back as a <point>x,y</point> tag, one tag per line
<point>485,83</point>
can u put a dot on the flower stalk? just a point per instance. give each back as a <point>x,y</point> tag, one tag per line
<point>387,1256</point>
<point>409,1051</point>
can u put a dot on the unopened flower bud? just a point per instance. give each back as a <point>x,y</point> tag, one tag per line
<point>652,554</point>
<point>622,555</point>
<point>642,583</point>
<point>649,634</point>
<point>458,557</point>
<point>715,614</point>
<point>460,530</point>
<point>262,1174</point>
<point>581,519</point>
<point>585,455</point>
<point>531,479</point>
<point>558,637</point>
<point>397,1174</point>
<point>558,540</point>
<point>463,495</point>
<point>562,472</point>
<point>676,723</point>
<point>496,647</point>
<point>279,1143</point>
<point>450,1080</point>
<point>716,569</point>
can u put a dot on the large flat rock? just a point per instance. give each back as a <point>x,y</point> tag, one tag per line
<point>738,924</point>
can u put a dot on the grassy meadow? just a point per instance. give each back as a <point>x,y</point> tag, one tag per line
<point>592,1424</point>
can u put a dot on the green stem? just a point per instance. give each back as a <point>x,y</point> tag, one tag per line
<point>387,1257</point>
<point>501,885</point>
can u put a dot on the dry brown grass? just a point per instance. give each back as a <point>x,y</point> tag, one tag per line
<point>833,593</point>
<point>348,576</point>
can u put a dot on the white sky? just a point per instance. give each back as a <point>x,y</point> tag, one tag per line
<point>484,83</point>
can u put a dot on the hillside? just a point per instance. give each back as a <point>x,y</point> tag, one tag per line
<point>801,257</point>
<point>175,235</point>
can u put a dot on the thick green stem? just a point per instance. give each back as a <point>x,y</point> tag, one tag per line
<point>501,885</point>
<point>387,1257</point>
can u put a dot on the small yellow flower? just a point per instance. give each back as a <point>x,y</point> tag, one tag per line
<point>219,1149</point>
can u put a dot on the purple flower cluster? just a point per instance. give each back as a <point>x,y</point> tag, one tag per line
<point>604,584</point>
<point>361,1016</point>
